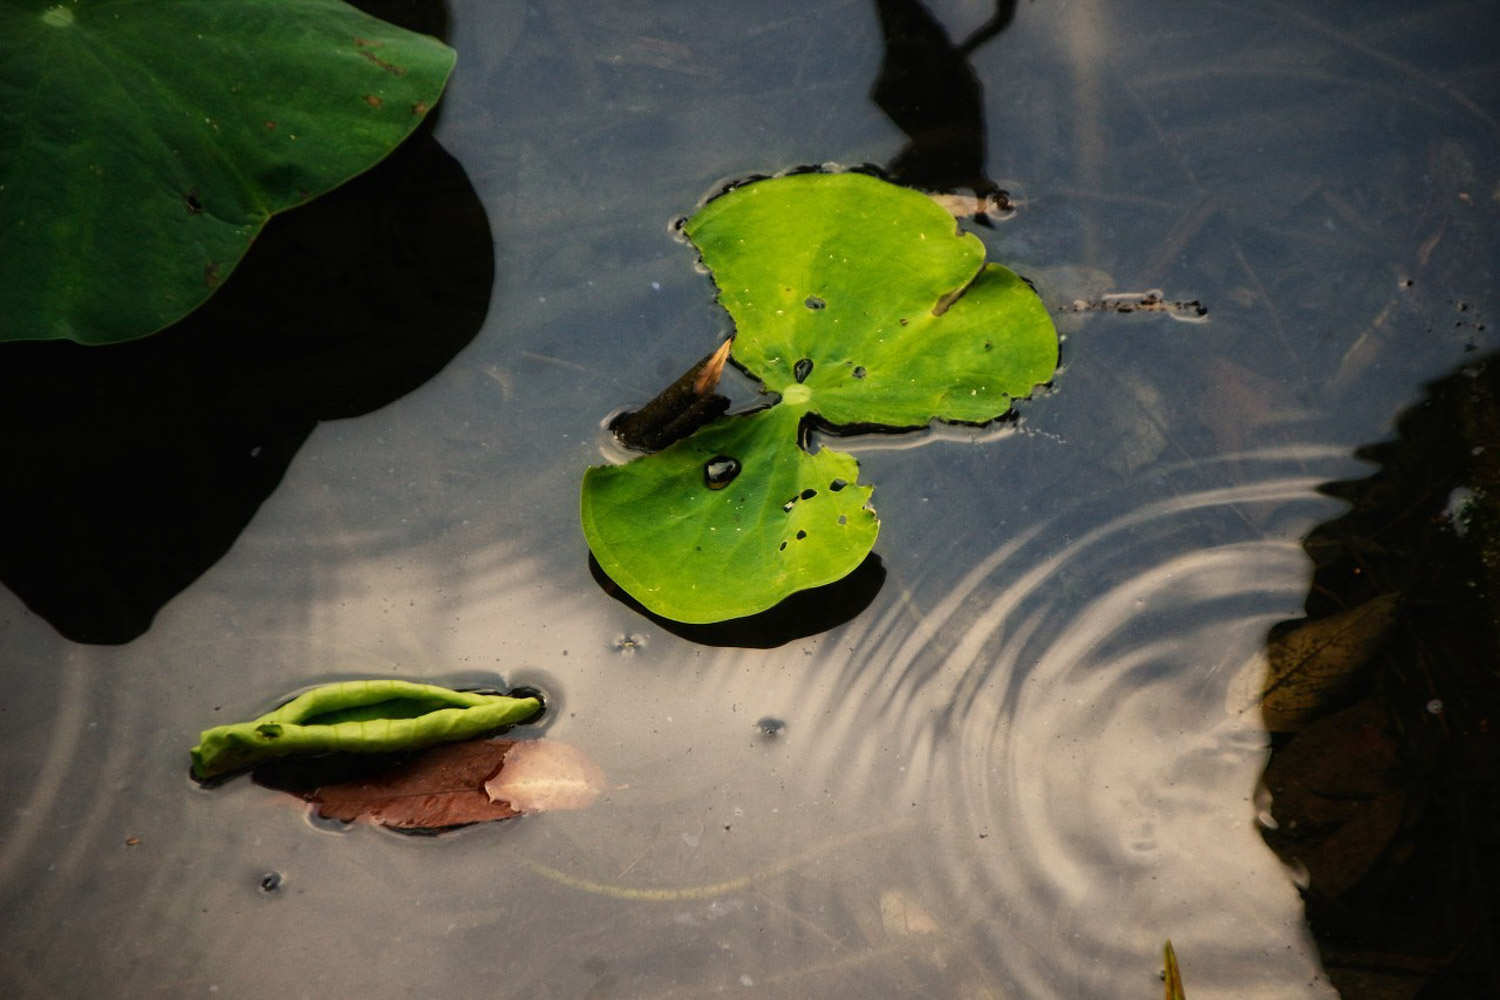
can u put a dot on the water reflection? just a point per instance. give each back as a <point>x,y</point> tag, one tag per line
<point>1382,786</point>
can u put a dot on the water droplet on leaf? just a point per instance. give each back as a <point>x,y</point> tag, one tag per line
<point>719,471</point>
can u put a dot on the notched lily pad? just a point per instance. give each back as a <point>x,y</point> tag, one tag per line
<point>695,543</point>
<point>859,303</point>
<point>870,293</point>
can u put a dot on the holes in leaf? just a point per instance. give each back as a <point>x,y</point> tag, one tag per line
<point>802,369</point>
<point>801,535</point>
<point>814,303</point>
<point>837,485</point>
<point>859,371</point>
<point>988,346</point>
<point>781,547</point>
<point>719,471</point>
<point>806,494</point>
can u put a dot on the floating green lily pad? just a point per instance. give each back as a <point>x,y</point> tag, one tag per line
<point>374,716</point>
<point>776,521</point>
<point>859,303</point>
<point>144,144</point>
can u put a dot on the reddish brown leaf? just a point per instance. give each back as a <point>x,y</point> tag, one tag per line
<point>442,786</point>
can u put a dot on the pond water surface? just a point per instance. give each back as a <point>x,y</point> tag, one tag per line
<point>1014,773</point>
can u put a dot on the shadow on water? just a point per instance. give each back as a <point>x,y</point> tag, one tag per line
<point>1385,707</point>
<point>927,87</point>
<point>805,613</point>
<point>128,470</point>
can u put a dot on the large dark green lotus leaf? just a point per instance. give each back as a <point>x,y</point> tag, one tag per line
<point>787,521</point>
<point>144,143</point>
<point>874,286</point>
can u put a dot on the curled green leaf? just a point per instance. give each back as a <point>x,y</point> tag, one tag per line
<point>373,716</point>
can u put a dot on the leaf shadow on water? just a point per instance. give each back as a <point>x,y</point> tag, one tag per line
<point>805,613</point>
<point>129,470</point>
<point>1384,704</point>
<point>930,91</point>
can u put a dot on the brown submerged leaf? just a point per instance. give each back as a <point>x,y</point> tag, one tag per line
<point>1313,662</point>
<point>1338,796</point>
<point>441,787</point>
<point>451,785</point>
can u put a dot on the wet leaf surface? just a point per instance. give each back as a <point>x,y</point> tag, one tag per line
<point>788,521</point>
<point>861,305</point>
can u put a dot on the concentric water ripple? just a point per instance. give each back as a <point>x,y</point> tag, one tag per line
<point>1061,712</point>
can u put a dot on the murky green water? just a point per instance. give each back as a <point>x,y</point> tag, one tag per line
<point>1014,774</point>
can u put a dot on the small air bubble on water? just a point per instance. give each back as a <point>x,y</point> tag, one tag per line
<point>770,727</point>
<point>629,643</point>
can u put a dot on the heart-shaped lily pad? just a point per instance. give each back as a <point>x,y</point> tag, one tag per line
<point>858,302</point>
<point>143,144</point>
<point>736,517</point>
